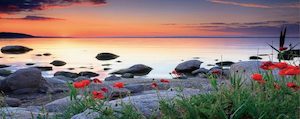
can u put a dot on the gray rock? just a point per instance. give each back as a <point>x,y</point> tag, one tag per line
<point>15,49</point>
<point>255,58</point>
<point>59,105</point>
<point>38,55</point>
<point>106,56</point>
<point>55,80</point>
<point>44,68</point>
<point>47,54</point>
<point>135,88</point>
<point>26,81</point>
<point>188,66</point>
<point>12,102</point>
<point>4,66</point>
<point>22,113</point>
<point>5,73</point>
<point>146,103</point>
<point>200,71</point>
<point>225,63</point>
<point>112,78</point>
<point>80,78</point>
<point>105,69</point>
<point>88,74</point>
<point>127,75</point>
<point>66,74</point>
<point>29,64</point>
<point>137,70</point>
<point>58,63</point>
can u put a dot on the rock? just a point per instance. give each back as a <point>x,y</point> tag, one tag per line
<point>44,68</point>
<point>58,63</point>
<point>188,66</point>
<point>15,49</point>
<point>55,80</point>
<point>23,113</point>
<point>137,70</point>
<point>225,63</point>
<point>255,58</point>
<point>245,69</point>
<point>80,78</point>
<point>127,75</point>
<point>5,73</point>
<point>112,78</point>
<point>29,64</point>
<point>105,69</point>
<point>88,74</point>
<point>66,74</point>
<point>106,56</point>
<point>216,68</point>
<point>59,105</point>
<point>47,54</point>
<point>200,71</point>
<point>25,81</point>
<point>147,103</point>
<point>71,68</point>
<point>105,64</point>
<point>38,55</point>
<point>118,61</point>
<point>135,88</point>
<point>4,66</point>
<point>12,102</point>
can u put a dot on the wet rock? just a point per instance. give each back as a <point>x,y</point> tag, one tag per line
<point>106,56</point>
<point>47,54</point>
<point>15,49</point>
<point>106,69</point>
<point>88,74</point>
<point>225,63</point>
<point>58,63</point>
<point>118,61</point>
<point>27,80</point>
<point>135,88</point>
<point>44,68</point>
<point>188,66</point>
<point>5,73</point>
<point>29,64</point>
<point>137,70</point>
<point>127,75</point>
<point>12,102</point>
<point>66,74</point>
<point>38,55</point>
<point>4,66</point>
<point>255,58</point>
<point>200,71</point>
<point>112,78</point>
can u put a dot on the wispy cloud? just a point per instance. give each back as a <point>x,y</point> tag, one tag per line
<point>15,6</point>
<point>240,4</point>
<point>33,18</point>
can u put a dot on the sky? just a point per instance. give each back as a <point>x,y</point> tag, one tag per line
<point>98,18</point>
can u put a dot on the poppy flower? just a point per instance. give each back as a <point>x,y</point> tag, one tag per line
<point>267,66</point>
<point>176,73</point>
<point>276,86</point>
<point>216,71</point>
<point>282,48</point>
<point>119,85</point>
<point>281,65</point>
<point>98,94</point>
<point>104,89</point>
<point>81,84</point>
<point>291,85</point>
<point>154,85</point>
<point>86,82</point>
<point>98,81</point>
<point>164,81</point>
<point>257,77</point>
<point>290,70</point>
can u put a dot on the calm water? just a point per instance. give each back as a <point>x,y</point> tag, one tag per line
<point>163,54</point>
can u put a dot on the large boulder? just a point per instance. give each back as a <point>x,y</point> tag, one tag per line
<point>188,66</point>
<point>58,63</point>
<point>112,78</point>
<point>15,49</point>
<point>137,70</point>
<point>106,56</point>
<point>25,81</point>
<point>66,74</point>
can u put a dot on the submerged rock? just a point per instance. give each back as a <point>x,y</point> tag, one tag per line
<point>47,54</point>
<point>44,68</point>
<point>106,56</point>
<point>66,74</point>
<point>15,49</point>
<point>137,70</point>
<point>225,63</point>
<point>28,80</point>
<point>88,74</point>
<point>29,64</point>
<point>58,63</point>
<point>255,58</point>
<point>188,66</point>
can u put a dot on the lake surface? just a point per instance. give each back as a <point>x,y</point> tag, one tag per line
<point>162,54</point>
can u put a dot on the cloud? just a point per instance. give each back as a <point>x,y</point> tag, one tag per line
<point>33,18</point>
<point>240,4</point>
<point>15,6</point>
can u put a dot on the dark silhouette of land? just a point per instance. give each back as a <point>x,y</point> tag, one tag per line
<point>15,35</point>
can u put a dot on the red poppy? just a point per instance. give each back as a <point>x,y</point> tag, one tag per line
<point>164,81</point>
<point>98,81</point>
<point>154,85</point>
<point>281,65</point>
<point>176,73</point>
<point>98,94</point>
<point>104,89</point>
<point>257,77</point>
<point>119,85</point>
<point>216,71</point>
<point>282,48</point>
<point>86,82</point>
<point>268,65</point>
<point>291,85</point>
<point>81,84</point>
<point>290,70</point>
<point>276,86</point>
